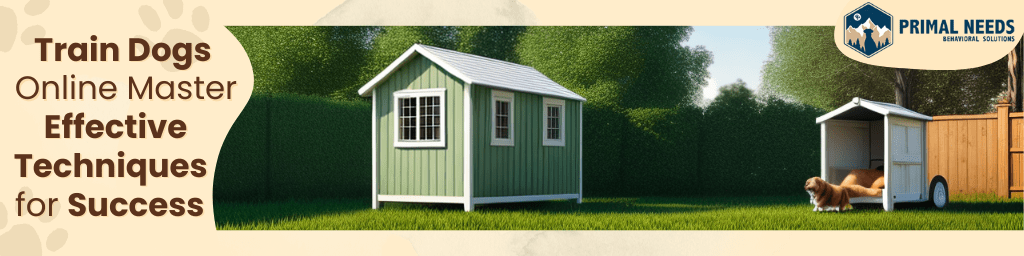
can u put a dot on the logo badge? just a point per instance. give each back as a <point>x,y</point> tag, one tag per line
<point>868,30</point>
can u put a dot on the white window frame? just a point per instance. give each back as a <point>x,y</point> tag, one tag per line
<point>552,102</point>
<point>509,97</point>
<point>419,93</point>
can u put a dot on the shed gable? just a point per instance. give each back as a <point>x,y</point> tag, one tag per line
<point>420,171</point>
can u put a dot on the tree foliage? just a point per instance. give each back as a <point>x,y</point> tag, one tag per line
<point>305,60</point>
<point>806,65</point>
<point>624,66</point>
<point>492,42</point>
<point>389,43</point>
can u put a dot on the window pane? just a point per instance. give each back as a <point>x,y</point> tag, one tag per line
<point>501,117</point>
<point>553,123</point>
<point>430,118</point>
<point>407,118</point>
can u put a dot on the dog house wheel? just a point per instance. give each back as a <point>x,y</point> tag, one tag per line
<point>939,192</point>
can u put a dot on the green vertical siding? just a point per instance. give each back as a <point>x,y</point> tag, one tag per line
<point>420,171</point>
<point>528,167</point>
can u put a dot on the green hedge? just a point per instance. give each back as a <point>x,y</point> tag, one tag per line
<point>661,152</point>
<point>754,148</point>
<point>241,164</point>
<point>320,148</point>
<point>317,148</point>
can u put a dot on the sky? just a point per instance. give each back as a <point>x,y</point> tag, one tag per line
<point>739,53</point>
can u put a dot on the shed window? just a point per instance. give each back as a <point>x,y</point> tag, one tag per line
<point>419,119</point>
<point>502,107</point>
<point>554,122</point>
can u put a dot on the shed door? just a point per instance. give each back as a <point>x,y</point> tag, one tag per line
<point>907,147</point>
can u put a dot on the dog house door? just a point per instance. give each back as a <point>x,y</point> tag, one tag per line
<point>847,149</point>
<point>907,149</point>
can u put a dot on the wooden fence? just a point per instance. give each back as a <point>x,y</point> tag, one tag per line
<point>978,153</point>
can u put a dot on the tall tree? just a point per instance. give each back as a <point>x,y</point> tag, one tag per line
<point>1014,83</point>
<point>806,65</point>
<point>630,67</point>
<point>305,60</point>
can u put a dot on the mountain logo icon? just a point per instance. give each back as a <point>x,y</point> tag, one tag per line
<point>868,30</point>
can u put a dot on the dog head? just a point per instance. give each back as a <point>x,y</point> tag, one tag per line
<point>813,185</point>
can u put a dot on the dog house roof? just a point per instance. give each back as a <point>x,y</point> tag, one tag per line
<point>861,109</point>
<point>479,70</point>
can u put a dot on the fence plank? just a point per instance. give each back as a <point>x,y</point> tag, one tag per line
<point>992,175</point>
<point>974,164</point>
<point>1017,182</point>
<point>1002,153</point>
<point>1017,136</point>
<point>951,156</point>
<point>961,159</point>
<point>983,153</point>
<point>1015,129</point>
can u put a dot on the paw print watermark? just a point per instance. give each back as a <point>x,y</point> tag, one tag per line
<point>151,19</point>
<point>9,26</point>
<point>22,239</point>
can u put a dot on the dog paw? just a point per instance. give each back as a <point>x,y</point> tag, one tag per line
<point>22,239</point>
<point>9,24</point>
<point>151,19</point>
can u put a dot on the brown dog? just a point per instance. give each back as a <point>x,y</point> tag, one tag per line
<point>864,178</point>
<point>828,197</point>
<point>825,196</point>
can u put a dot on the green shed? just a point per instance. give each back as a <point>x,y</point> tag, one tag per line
<point>451,127</point>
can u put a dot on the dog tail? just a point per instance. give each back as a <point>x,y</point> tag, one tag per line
<point>861,191</point>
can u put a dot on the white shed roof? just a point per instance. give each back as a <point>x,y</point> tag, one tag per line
<point>479,70</point>
<point>882,108</point>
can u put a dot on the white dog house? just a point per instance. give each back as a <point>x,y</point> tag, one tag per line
<point>865,134</point>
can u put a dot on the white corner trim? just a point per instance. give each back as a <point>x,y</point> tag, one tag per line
<point>824,150</point>
<point>580,198</point>
<point>373,142</point>
<point>467,146</point>
<point>405,57</point>
<point>421,199</point>
<point>887,193</point>
<point>513,199</point>
<point>509,97</point>
<point>836,112</point>
<point>560,103</point>
<point>925,185</point>
<point>409,93</point>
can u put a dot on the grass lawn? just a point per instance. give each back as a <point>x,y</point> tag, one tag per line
<point>645,213</point>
